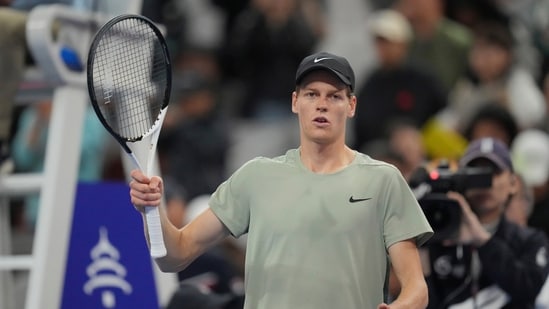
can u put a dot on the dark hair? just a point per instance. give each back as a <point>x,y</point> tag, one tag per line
<point>496,33</point>
<point>348,89</point>
<point>493,111</point>
<point>493,33</point>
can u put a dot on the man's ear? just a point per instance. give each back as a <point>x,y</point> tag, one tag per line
<point>515,183</point>
<point>352,109</point>
<point>294,102</point>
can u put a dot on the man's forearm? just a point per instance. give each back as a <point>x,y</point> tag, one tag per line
<point>412,296</point>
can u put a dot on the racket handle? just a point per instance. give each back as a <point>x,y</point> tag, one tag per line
<point>158,249</point>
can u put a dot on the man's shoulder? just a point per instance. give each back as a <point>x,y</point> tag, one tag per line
<point>519,235</point>
<point>264,161</point>
<point>364,161</point>
<point>291,157</point>
<point>456,32</point>
<point>367,161</point>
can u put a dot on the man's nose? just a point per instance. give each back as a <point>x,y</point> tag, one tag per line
<point>322,104</point>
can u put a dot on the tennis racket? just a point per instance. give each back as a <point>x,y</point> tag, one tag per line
<point>129,83</point>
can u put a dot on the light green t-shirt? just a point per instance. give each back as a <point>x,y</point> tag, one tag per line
<point>318,240</point>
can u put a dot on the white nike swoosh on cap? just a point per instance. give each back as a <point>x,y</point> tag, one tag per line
<point>320,59</point>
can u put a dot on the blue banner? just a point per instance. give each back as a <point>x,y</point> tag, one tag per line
<point>108,262</point>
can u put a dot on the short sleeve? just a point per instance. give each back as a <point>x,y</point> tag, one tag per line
<point>403,217</point>
<point>230,202</point>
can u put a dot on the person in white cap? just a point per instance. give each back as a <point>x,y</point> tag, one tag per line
<point>394,91</point>
<point>530,151</point>
<point>324,222</point>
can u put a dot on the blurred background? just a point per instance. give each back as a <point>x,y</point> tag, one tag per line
<point>431,75</point>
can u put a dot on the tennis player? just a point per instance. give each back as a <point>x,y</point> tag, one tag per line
<point>325,223</point>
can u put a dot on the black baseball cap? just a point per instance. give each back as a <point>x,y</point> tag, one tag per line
<point>328,62</point>
<point>490,149</point>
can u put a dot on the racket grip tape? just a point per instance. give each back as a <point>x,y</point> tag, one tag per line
<point>154,227</point>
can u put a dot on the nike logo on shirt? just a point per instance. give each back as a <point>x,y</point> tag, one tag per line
<point>356,200</point>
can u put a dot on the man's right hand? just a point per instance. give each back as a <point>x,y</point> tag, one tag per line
<point>471,230</point>
<point>145,191</point>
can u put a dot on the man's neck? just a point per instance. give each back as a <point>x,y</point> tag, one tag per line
<point>326,159</point>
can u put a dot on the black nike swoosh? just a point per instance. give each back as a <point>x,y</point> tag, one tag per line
<point>353,200</point>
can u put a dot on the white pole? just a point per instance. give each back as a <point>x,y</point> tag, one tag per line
<point>57,198</point>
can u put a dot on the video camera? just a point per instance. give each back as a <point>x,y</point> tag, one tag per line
<point>430,188</point>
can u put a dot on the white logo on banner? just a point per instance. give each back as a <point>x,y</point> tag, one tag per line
<point>105,272</point>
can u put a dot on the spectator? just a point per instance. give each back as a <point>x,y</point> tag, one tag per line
<point>12,63</point>
<point>268,41</point>
<point>522,203</point>
<point>406,139</point>
<point>531,156</point>
<point>491,262</point>
<point>194,139</point>
<point>231,10</point>
<point>472,12</point>
<point>29,147</point>
<point>494,77</point>
<point>492,120</point>
<point>169,14</point>
<point>381,149</point>
<point>395,89</point>
<point>529,21</point>
<point>436,39</point>
<point>403,147</point>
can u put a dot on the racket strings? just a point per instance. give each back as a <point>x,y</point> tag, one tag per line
<point>131,74</point>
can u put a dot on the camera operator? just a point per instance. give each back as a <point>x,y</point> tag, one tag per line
<point>491,262</point>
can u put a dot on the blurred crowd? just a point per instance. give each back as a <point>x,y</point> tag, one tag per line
<point>432,76</point>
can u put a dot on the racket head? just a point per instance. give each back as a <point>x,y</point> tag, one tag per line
<point>129,77</point>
